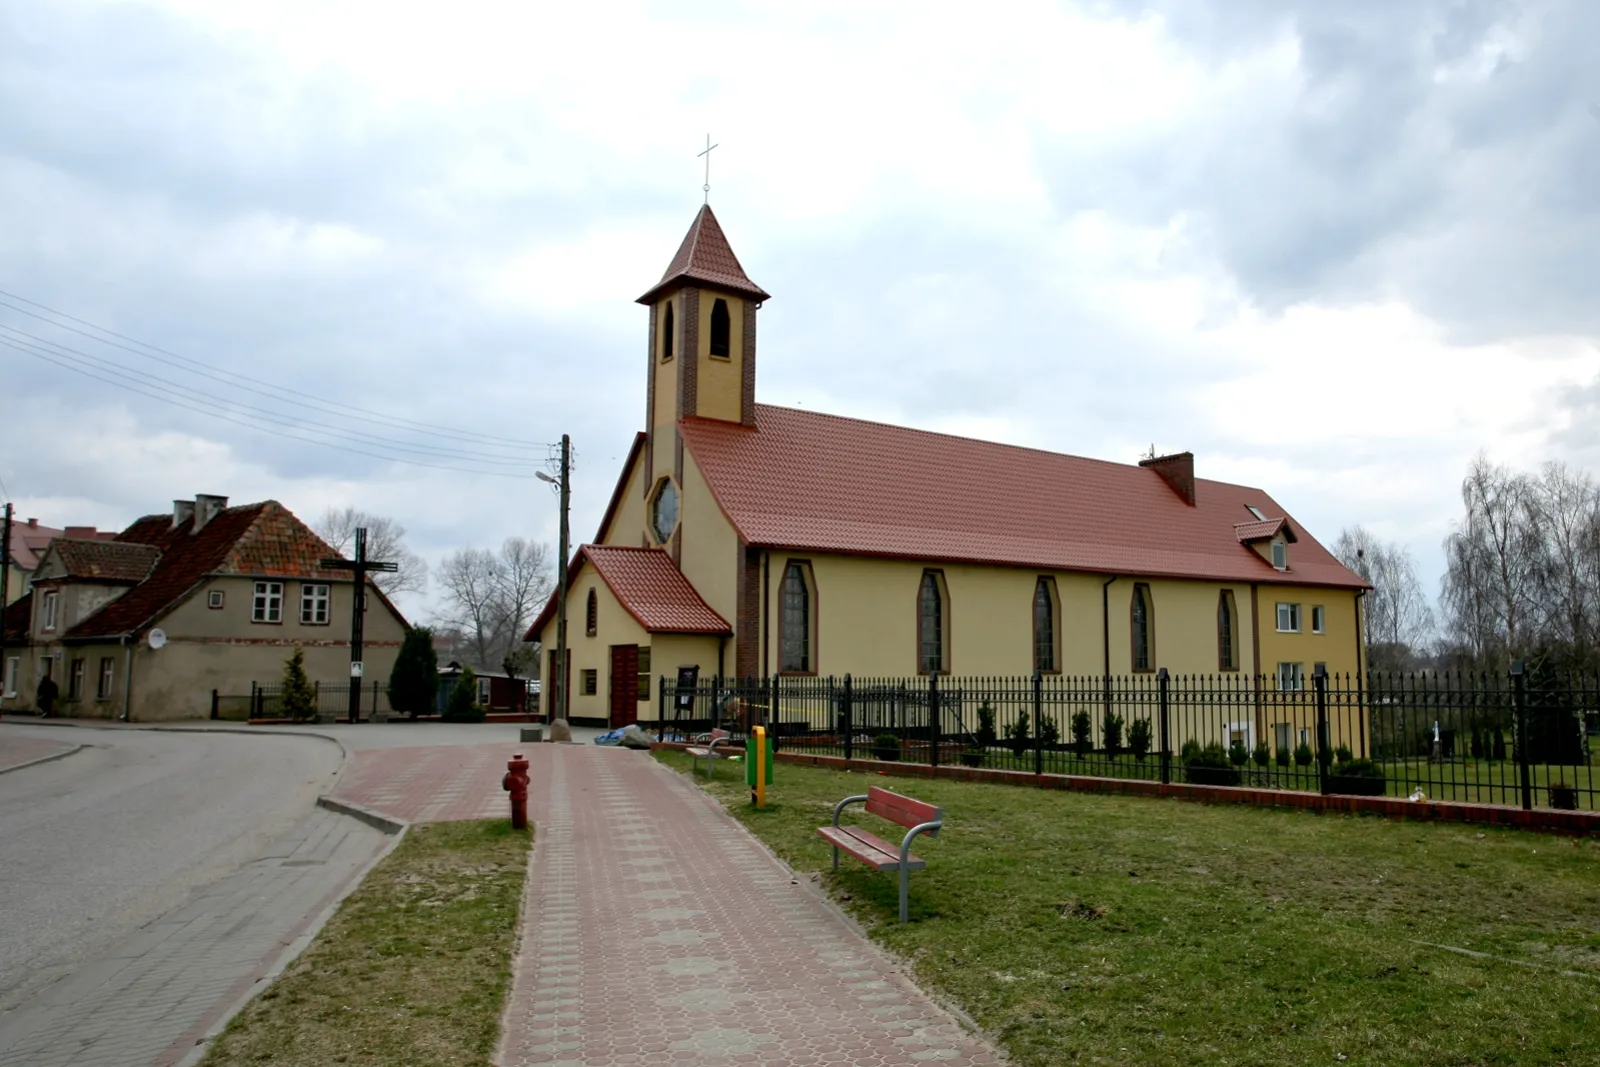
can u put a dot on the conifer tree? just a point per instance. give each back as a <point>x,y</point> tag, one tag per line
<point>299,698</point>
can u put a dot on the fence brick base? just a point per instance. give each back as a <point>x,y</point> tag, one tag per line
<point>1579,823</point>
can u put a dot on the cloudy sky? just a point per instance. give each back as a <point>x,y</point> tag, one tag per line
<point>1333,249</point>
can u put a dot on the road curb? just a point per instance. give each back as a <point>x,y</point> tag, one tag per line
<point>381,823</point>
<point>42,759</point>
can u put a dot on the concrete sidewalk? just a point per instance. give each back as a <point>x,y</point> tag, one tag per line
<point>657,930</point>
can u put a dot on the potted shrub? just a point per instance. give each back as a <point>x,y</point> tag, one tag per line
<point>1343,754</point>
<point>1284,756</point>
<point>1019,735</point>
<point>886,747</point>
<point>1357,777</point>
<point>973,755</point>
<point>1210,766</point>
<point>1237,754</point>
<point>1262,755</point>
<point>1302,755</point>
<point>986,734</point>
<point>1049,732</point>
<point>1563,797</point>
<point>1111,731</point>
<point>1082,739</point>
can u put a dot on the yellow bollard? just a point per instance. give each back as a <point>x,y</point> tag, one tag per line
<point>759,794</point>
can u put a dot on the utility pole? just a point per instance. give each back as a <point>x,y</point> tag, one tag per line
<point>362,566</point>
<point>5,593</point>
<point>558,701</point>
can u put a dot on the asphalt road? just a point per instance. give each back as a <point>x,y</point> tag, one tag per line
<point>96,844</point>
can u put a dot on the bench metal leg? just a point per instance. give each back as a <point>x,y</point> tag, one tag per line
<point>905,893</point>
<point>836,857</point>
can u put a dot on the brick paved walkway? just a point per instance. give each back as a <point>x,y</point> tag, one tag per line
<point>438,783</point>
<point>658,931</point>
<point>18,751</point>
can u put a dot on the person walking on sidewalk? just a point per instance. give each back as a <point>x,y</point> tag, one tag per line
<point>46,696</point>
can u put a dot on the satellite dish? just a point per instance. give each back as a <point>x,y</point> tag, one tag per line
<point>157,637</point>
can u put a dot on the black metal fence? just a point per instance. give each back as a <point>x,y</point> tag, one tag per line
<point>330,699</point>
<point>1520,738</point>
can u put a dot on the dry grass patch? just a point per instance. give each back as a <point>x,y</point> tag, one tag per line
<point>412,970</point>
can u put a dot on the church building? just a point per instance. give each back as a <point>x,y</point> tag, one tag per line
<point>751,540</point>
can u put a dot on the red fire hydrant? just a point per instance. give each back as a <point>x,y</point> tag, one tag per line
<point>516,783</point>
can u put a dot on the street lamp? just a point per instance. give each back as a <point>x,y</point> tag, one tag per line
<point>559,728</point>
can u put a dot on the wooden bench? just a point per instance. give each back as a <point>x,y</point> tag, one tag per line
<point>873,850</point>
<point>709,752</point>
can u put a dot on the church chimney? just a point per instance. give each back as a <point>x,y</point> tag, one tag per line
<point>1177,471</point>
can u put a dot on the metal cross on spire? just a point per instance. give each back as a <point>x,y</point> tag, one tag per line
<point>707,154</point>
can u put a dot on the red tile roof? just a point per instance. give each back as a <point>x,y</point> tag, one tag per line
<point>1263,530</point>
<point>705,256</point>
<point>648,585</point>
<point>109,561</point>
<point>822,483</point>
<point>16,620</point>
<point>264,540</point>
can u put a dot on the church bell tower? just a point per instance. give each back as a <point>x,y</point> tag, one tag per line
<point>702,351</point>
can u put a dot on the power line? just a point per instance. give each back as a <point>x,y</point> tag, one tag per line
<point>253,426</point>
<point>167,385</point>
<point>198,367</point>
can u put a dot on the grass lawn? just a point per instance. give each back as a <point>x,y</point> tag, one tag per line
<point>412,970</point>
<point>1096,929</point>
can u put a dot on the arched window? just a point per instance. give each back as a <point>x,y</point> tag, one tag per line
<point>794,623</point>
<point>1227,631</point>
<point>666,334</point>
<point>931,625</point>
<point>591,615</point>
<point>721,327</point>
<point>1143,619</point>
<point>1044,627</point>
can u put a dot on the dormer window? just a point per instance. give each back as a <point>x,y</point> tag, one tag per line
<point>1280,555</point>
<point>52,610</point>
<point>666,333</point>
<point>721,328</point>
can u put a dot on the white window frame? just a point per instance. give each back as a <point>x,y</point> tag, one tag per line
<point>483,692</point>
<point>107,683</point>
<point>13,671</point>
<point>267,604</point>
<point>312,596</point>
<point>1319,619</point>
<point>1292,624</point>
<point>215,599</point>
<point>1280,555</point>
<point>50,612</point>
<point>1291,677</point>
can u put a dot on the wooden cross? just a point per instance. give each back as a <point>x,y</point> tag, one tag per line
<point>707,154</point>
<point>362,566</point>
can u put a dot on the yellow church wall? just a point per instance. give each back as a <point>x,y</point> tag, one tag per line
<point>719,381</point>
<point>627,526</point>
<point>664,415</point>
<point>710,546</point>
<point>668,652</point>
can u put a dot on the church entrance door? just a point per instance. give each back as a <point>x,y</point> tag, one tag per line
<point>624,685</point>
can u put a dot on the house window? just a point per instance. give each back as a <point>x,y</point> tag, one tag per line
<point>108,677</point>
<point>215,599</point>
<point>75,677</point>
<point>1288,618</point>
<point>1291,677</point>
<point>1280,555</point>
<point>794,622</point>
<point>313,604</point>
<point>591,682</point>
<point>931,625</point>
<point>666,333</point>
<point>721,327</point>
<point>13,667</point>
<point>1143,628</point>
<point>1227,628</point>
<point>644,672</point>
<point>1044,626</point>
<point>1319,619</point>
<point>1255,511</point>
<point>268,604</point>
<point>52,609</point>
<point>483,692</point>
<point>591,615</point>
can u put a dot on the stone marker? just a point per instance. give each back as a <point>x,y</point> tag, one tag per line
<point>560,732</point>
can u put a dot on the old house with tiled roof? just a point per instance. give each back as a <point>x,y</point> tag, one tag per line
<point>29,539</point>
<point>231,590</point>
<point>755,541</point>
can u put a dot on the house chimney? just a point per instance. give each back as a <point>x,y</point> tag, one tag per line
<point>182,512</point>
<point>33,522</point>
<point>79,533</point>
<point>1177,471</point>
<point>206,508</point>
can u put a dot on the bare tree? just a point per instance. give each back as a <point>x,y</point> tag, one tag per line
<point>1399,622</point>
<point>385,541</point>
<point>491,597</point>
<point>1564,508</point>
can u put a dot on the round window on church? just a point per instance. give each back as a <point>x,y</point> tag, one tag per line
<point>664,511</point>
